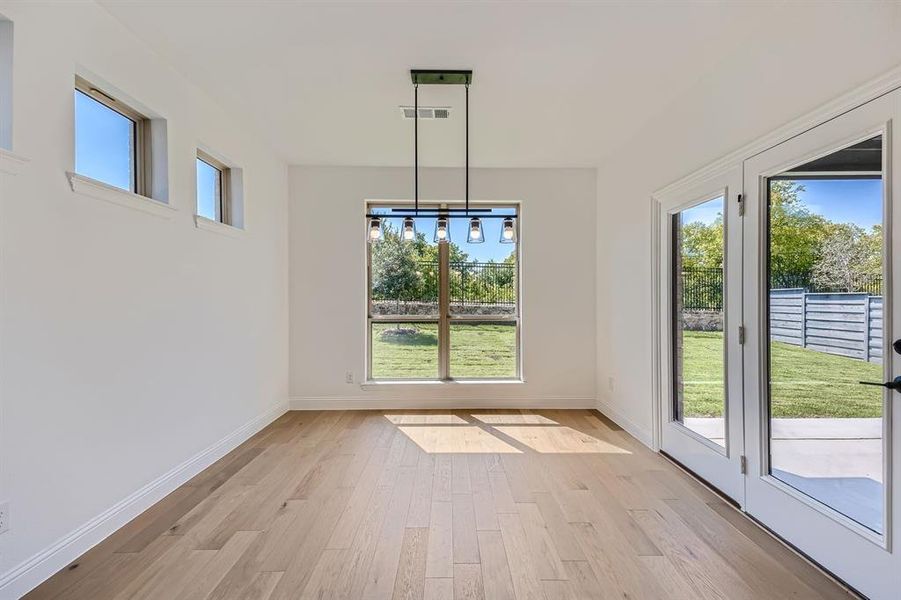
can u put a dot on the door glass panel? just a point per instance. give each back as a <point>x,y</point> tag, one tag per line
<point>699,365</point>
<point>824,312</point>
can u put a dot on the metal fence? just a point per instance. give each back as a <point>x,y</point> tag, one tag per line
<point>702,289</point>
<point>475,283</point>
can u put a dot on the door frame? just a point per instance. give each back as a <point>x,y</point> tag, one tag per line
<point>833,540</point>
<point>718,465</point>
<point>860,96</point>
<point>866,92</point>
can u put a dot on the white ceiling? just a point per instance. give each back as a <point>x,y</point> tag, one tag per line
<point>554,84</point>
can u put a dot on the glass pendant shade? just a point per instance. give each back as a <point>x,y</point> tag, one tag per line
<point>409,230</point>
<point>476,235</point>
<point>508,231</point>
<point>442,230</point>
<point>375,229</point>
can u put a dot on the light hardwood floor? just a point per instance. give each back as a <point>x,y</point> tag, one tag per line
<point>440,504</point>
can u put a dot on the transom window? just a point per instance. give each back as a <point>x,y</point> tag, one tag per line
<point>441,308</point>
<point>110,140</point>
<point>212,188</point>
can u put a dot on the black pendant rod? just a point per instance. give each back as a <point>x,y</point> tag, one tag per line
<point>416,147</point>
<point>467,147</point>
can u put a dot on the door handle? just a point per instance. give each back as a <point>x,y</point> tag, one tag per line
<point>894,384</point>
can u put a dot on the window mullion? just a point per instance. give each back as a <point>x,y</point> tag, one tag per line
<point>443,311</point>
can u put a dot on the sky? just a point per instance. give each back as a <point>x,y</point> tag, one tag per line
<point>857,201</point>
<point>103,143</point>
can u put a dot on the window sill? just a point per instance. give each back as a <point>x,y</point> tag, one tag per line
<point>108,193</point>
<point>217,227</point>
<point>11,163</point>
<point>377,384</point>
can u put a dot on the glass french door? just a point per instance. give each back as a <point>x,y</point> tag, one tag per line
<point>820,316</point>
<point>700,239</point>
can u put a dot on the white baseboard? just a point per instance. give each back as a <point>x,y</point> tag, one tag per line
<point>397,403</point>
<point>29,574</point>
<point>634,430</point>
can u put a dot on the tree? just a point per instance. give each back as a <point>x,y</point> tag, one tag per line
<point>394,269</point>
<point>849,259</point>
<point>702,245</point>
<point>796,234</point>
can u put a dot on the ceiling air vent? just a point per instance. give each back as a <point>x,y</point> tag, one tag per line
<point>426,112</point>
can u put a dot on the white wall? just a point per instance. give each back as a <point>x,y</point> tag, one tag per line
<point>128,343</point>
<point>328,285</point>
<point>776,79</point>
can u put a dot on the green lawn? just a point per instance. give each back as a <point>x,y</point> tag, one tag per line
<point>477,350</point>
<point>806,383</point>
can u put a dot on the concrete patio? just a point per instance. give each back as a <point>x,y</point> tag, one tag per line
<point>837,461</point>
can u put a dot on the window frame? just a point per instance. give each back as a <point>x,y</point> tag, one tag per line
<point>444,317</point>
<point>142,172</point>
<point>223,205</point>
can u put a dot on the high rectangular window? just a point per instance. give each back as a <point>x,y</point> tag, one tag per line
<point>111,140</point>
<point>213,178</point>
<point>441,308</point>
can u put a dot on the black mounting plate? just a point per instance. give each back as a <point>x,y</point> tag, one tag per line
<point>441,76</point>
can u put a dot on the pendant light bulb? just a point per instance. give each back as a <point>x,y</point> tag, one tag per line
<point>409,229</point>
<point>476,236</point>
<point>375,229</point>
<point>442,230</point>
<point>508,231</point>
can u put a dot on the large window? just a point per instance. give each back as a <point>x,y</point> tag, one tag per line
<point>111,140</point>
<point>440,307</point>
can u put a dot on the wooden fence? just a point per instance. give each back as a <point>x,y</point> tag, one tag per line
<point>847,324</point>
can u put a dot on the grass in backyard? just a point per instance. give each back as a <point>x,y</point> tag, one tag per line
<point>410,351</point>
<point>805,383</point>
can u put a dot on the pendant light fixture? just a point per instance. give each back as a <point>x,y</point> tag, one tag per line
<point>475,236</point>
<point>442,216</point>
<point>375,229</point>
<point>409,231</point>
<point>442,230</point>
<point>508,231</point>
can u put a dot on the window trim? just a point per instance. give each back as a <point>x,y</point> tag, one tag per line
<point>444,318</point>
<point>142,172</point>
<point>223,205</point>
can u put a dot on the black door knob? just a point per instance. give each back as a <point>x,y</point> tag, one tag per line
<point>894,384</point>
<point>897,346</point>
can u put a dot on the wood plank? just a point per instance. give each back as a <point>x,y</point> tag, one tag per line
<point>468,582</point>
<point>409,583</point>
<point>496,579</point>
<point>526,584</point>
<point>440,555</point>
<point>466,544</point>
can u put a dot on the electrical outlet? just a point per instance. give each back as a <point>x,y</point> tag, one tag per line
<point>4,517</point>
<point>348,377</point>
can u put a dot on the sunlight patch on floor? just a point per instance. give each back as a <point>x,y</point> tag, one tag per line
<point>425,419</point>
<point>559,440</point>
<point>513,419</point>
<point>456,439</point>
